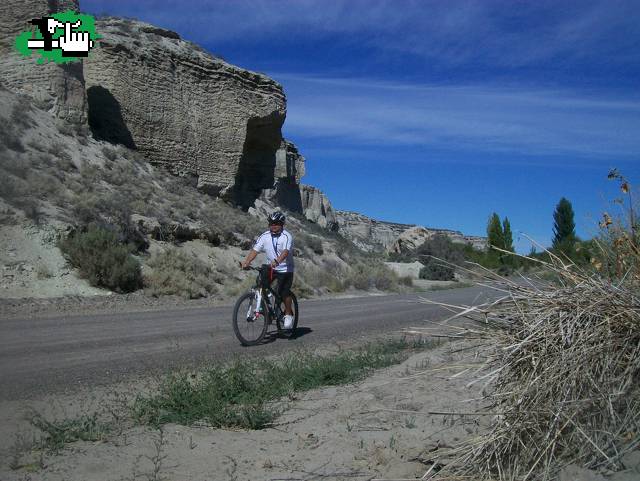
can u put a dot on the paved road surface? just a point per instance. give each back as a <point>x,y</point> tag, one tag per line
<point>59,354</point>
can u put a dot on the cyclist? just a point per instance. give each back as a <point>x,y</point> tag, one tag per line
<point>277,244</point>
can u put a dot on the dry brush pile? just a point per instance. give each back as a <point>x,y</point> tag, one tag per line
<point>563,376</point>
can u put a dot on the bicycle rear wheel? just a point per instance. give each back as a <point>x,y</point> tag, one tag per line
<point>250,323</point>
<point>289,332</point>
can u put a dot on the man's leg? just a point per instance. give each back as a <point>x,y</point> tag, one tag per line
<point>288,305</point>
<point>284,291</point>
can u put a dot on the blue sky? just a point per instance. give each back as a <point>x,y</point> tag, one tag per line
<point>441,112</point>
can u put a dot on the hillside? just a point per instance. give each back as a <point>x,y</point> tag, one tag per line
<point>174,151</point>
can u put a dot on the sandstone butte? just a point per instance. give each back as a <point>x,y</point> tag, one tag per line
<point>181,107</point>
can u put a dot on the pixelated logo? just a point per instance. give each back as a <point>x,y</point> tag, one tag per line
<point>61,38</point>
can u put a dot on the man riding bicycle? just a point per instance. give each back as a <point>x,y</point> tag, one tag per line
<point>277,244</point>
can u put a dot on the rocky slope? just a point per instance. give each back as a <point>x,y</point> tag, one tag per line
<point>375,235</point>
<point>156,104</point>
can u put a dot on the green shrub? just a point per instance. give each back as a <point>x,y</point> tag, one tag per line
<point>102,260</point>
<point>435,270</point>
<point>367,275</point>
<point>406,281</point>
<point>241,394</point>
<point>177,273</point>
<point>60,432</point>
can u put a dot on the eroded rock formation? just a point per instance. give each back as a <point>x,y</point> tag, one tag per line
<point>317,208</point>
<point>185,109</point>
<point>374,235</point>
<point>56,88</point>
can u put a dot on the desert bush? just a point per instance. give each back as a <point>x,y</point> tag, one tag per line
<point>43,272</point>
<point>90,176</point>
<point>435,270</point>
<point>311,279</point>
<point>223,220</point>
<point>406,281</point>
<point>37,144</point>
<point>615,252</point>
<point>311,242</point>
<point>120,173</point>
<point>110,209</point>
<point>9,138</point>
<point>44,185</point>
<point>20,116</point>
<point>109,153</point>
<point>15,164</point>
<point>563,365</point>
<point>371,274</point>
<point>177,273</point>
<point>57,149</point>
<point>31,209</point>
<point>102,260</point>
<point>65,129</point>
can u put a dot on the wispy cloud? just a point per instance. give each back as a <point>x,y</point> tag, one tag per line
<point>466,118</point>
<point>485,32</point>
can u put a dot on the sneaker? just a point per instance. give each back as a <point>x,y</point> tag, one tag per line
<point>288,322</point>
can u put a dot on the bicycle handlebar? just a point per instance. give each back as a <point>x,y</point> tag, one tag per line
<point>248,268</point>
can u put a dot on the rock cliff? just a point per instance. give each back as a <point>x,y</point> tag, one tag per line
<point>185,109</point>
<point>190,112</point>
<point>374,235</point>
<point>317,208</point>
<point>56,88</point>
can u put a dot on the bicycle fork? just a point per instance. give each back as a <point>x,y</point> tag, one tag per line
<point>257,312</point>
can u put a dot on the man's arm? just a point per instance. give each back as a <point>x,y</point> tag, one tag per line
<point>250,257</point>
<point>280,258</point>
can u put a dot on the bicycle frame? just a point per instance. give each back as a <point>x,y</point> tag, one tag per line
<point>272,301</point>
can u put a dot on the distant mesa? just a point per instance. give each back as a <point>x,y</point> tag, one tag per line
<point>376,235</point>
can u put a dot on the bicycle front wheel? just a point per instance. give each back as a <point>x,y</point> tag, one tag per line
<point>249,322</point>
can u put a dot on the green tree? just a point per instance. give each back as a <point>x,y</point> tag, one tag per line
<point>564,227</point>
<point>495,233</point>
<point>507,235</point>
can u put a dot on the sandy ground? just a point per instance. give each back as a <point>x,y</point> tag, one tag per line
<point>380,428</point>
<point>386,427</point>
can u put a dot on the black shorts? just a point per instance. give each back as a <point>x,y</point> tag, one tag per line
<point>283,283</point>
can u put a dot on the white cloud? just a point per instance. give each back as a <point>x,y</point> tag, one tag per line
<point>450,33</point>
<point>471,118</point>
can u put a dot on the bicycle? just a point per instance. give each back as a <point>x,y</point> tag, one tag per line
<point>255,310</point>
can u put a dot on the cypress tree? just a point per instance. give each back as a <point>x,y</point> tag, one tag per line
<point>495,234</point>
<point>564,227</point>
<point>507,235</point>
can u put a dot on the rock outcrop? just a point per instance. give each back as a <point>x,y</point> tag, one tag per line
<point>367,233</point>
<point>411,239</point>
<point>374,235</point>
<point>289,169</point>
<point>317,208</point>
<point>56,88</point>
<point>186,110</point>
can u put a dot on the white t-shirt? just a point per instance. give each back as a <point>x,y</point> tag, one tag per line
<point>273,246</point>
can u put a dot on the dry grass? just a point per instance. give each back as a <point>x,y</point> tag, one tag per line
<point>563,375</point>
